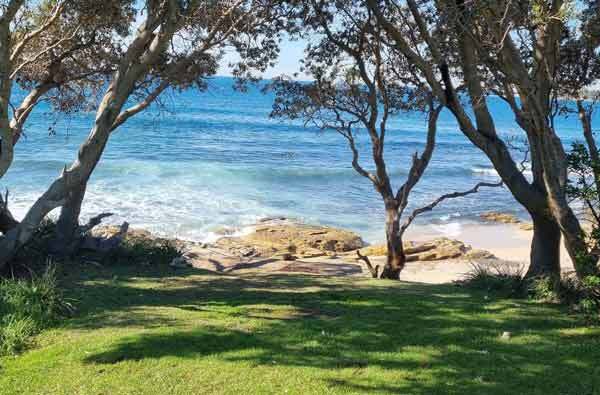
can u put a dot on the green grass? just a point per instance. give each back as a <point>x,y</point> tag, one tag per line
<point>155,330</point>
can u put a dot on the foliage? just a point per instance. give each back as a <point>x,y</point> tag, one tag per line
<point>144,250</point>
<point>27,307</point>
<point>35,252</point>
<point>15,334</point>
<point>583,189</point>
<point>496,278</point>
<point>581,186</point>
<point>544,289</point>
<point>582,296</point>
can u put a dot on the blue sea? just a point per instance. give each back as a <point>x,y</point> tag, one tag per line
<point>207,163</point>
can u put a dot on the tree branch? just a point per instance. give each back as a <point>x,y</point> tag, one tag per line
<point>58,8</point>
<point>141,106</point>
<point>440,199</point>
<point>374,270</point>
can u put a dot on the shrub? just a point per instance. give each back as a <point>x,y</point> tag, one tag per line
<point>544,289</point>
<point>15,334</point>
<point>144,250</point>
<point>582,296</point>
<point>28,306</point>
<point>496,278</point>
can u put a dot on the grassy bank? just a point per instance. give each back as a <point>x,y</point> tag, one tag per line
<point>154,330</point>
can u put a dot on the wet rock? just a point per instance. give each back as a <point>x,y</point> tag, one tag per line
<point>434,250</point>
<point>504,218</point>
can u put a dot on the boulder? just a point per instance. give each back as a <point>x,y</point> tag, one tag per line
<point>504,218</point>
<point>179,261</point>
<point>273,238</point>
<point>528,226</point>
<point>106,232</point>
<point>137,235</point>
<point>434,250</point>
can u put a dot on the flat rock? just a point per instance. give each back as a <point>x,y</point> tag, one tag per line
<point>270,239</point>
<point>434,250</point>
<point>526,226</point>
<point>504,218</point>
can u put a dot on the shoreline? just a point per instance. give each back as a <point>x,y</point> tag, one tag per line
<point>283,245</point>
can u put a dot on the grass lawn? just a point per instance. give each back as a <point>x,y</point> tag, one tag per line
<point>155,330</point>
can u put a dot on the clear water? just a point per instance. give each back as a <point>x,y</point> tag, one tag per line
<point>216,162</point>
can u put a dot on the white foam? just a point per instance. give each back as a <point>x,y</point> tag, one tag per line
<point>447,217</point>
<point>488,171</point>
<point>452,229</point>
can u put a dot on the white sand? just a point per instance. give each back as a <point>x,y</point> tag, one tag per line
<point>507,242</point>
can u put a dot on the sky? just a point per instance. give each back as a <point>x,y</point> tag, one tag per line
<point>288,62</point>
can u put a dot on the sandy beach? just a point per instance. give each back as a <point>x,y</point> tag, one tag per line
<point>508,243</point>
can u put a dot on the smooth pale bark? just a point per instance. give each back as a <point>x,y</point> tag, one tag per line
<point>68,233</point>
<point>481,131</point>
<point>67,227</point>
<point>140,55</point>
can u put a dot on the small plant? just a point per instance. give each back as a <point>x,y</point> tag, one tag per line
<point>544,289</point>
<point>34,254</point>
<point>586,298</point>
<point>496,278</point>
<point>28,306</point>
<point>145,250</point>
<point>15,334</point>
<point>583,296</point>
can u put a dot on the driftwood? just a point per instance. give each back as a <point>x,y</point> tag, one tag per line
<point>93,222</point>
<point>374,270</point>
<point>101,244</point>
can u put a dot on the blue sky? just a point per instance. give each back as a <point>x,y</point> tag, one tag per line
<point>288,62</point>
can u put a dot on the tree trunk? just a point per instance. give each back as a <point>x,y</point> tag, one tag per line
<point>66,239</point>
<point>395,251</point>
<point>141,55</point>
<point>555,180</point>
<point>585,263</point>
<point>545,248</point>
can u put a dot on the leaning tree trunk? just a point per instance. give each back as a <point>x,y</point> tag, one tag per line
<point>143,51</point>
<point>555,180</point>
<point>395,251</point>
<point>584,262</point>
<point>67,236</point>
<point>545,248</point>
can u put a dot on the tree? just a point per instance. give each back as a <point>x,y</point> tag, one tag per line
<point>512,50</point>
<point>358,86</point>
<point>578,76</point>
<point>54,51</point>
<point>177,45</point>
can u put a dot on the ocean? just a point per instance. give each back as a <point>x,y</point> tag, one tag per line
<point>210,163</point>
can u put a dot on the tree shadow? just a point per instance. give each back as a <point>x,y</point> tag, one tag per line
<point>435,338</point>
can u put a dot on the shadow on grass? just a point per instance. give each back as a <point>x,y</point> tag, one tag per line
<point>432,338</point>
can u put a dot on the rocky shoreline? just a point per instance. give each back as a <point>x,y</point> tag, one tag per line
<point>284,245</point>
